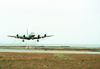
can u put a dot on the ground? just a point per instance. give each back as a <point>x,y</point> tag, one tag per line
<point>60,48</point>
<point>9,60</point>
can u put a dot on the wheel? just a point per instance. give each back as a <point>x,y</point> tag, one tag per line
<point>37,40</point>
<point>22,40</point>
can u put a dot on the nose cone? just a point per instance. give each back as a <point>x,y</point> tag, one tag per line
<point>32,37</point>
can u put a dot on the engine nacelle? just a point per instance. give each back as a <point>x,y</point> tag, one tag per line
<point>38,36</point>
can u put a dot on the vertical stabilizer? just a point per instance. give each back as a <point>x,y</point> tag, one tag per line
<point>27,31</point>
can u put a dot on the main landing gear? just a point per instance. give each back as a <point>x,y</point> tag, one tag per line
<point>37,40</point>
<point>22,40</point>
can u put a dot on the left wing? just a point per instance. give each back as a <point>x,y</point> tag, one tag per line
<point>11,36</point>
<point>20,37</point>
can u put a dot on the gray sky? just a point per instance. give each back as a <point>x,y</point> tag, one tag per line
<point>70,21</point>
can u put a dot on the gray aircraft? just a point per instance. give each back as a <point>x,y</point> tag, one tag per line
<point>30,36</point>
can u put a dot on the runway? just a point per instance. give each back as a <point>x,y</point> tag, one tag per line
<point>41,51</point>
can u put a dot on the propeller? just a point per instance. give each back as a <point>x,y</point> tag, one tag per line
<point>23,36</point>
<point>17,36</point>
<point>38,36</point>
<point>45,35</point>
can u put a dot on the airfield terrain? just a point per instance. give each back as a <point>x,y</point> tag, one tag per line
<point>60,48</point>
<point>48,61</point>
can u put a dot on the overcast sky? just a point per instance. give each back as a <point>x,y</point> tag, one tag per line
<point>70,21</point>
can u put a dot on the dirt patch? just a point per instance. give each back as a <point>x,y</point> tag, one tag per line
<point>48,61</point>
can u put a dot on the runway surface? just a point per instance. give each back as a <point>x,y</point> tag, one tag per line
<point>41,51</point>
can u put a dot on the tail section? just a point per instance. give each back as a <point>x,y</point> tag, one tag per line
<point>27,31</point>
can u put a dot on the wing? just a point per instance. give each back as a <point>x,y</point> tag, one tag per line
<point>11,36</point>
<point>20,37</point>
<point>46,36</point>
<point>38,37</point>
<point>49,36</point>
